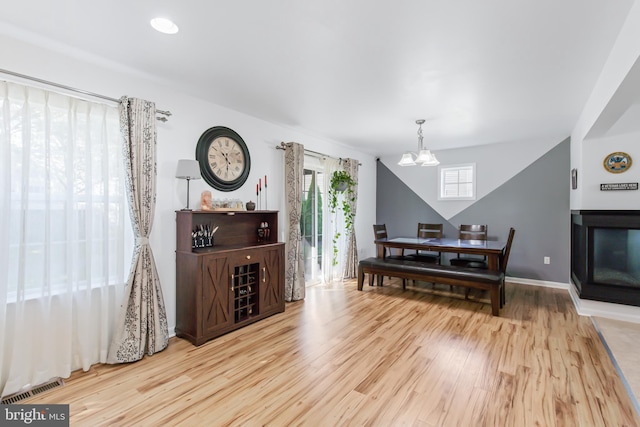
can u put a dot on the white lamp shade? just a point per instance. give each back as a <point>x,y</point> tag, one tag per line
<point>406,160</point>
<point>423,156</point>
<point>430,159</point>
<point>427,158</point>
<point>188,169</point>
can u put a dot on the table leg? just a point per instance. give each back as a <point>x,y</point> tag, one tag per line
<point>493,262</point>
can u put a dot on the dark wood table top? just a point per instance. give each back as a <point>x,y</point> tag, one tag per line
<point>492,249</point>
<point>444,245</point>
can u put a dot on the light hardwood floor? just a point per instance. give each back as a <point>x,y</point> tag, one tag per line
<point>380,357</point>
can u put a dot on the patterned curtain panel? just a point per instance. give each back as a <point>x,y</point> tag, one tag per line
<point>294,170</point>
<point>351,260</point>
<point>142,324</point>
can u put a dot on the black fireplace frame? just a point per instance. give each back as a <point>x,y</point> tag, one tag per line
<point>583,224</point>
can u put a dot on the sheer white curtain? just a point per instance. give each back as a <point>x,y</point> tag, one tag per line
<point>62,228</point>
<point>331,222</point>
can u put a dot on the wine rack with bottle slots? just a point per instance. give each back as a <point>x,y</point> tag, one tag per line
<point>245,291</point>
<point>236,281</point>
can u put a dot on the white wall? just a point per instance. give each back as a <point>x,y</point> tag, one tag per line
<point>177,139</point>
<point>587,154</point>
<point>593,173</point>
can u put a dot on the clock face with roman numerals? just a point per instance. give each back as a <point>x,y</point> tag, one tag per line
<point>224,158</point>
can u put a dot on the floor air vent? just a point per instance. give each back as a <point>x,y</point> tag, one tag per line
<point>15,398</point>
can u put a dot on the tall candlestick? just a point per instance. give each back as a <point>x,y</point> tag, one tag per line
<point>266,203</point>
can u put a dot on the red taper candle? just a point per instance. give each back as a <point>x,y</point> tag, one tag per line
<point>260,183</point>
<point>256,189</point>
<point>265,181</point>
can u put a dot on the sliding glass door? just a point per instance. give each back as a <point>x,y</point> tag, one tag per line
<point>311,222</point>
<point>318,224</point>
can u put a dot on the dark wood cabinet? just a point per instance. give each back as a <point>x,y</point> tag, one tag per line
<point>271,295</point>
<point>235,282</point>
<point>216,312</point>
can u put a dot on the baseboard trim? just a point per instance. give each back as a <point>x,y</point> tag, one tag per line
<point>625,313</point>
<point>584,307</point>
<point>533,282</point>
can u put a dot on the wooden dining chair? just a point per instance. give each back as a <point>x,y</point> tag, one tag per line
<point>429,231</point>
<point>504,258</point>
<point>503,262</point>
<point>380,232</point>
<point>471,232</point>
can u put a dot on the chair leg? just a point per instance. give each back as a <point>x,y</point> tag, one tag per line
<point>495,301</point>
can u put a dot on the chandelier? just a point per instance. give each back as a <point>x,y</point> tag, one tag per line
<point>424,156</point>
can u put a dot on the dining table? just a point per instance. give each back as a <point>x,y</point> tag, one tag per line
<point>492,249</point>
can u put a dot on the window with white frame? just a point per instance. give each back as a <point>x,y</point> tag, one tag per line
<point>457,182</point>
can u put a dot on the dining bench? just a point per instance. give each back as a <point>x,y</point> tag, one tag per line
<point>493,281</point>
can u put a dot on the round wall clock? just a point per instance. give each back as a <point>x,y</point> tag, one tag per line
<point>224,158</point>
<point>617,162</point>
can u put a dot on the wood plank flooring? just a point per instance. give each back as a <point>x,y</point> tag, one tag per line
<point>381,357</point>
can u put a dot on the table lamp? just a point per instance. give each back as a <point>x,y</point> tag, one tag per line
<point>188,169</point>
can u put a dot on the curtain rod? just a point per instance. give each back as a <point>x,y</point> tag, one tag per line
<point>282,147</point>
<point>72,89</point>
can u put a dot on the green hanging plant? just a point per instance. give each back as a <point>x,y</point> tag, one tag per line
<point>341,195</point>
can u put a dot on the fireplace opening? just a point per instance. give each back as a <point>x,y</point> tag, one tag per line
<point>613,260</point>
<point>605,255</point>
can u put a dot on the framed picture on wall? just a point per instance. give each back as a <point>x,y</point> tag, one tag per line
<point>574,178</point>
<point>617,162</point>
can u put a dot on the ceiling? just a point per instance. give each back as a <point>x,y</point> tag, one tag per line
<point>355,71</point>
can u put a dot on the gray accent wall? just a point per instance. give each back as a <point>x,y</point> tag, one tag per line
<point>535,202</point>
<point>401,209</point>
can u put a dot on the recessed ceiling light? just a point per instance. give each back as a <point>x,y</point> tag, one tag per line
<point>164,25</point>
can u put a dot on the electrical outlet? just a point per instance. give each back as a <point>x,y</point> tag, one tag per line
<point>547,260</point>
